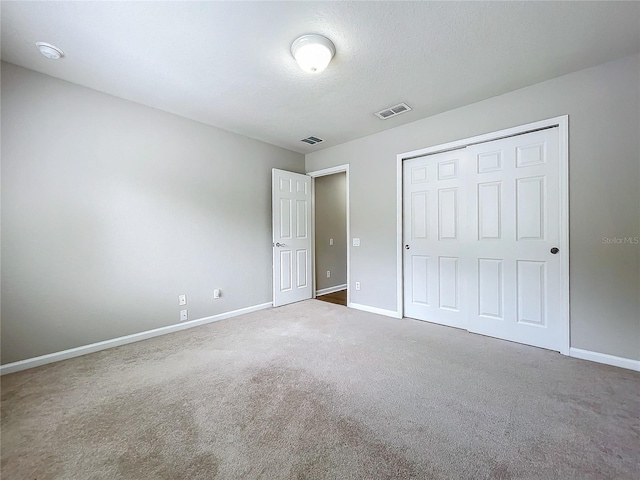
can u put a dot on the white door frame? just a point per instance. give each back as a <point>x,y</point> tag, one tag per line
<point>562,123</point>
<point>314,175</point>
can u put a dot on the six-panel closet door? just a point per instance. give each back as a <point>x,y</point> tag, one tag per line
<point>514,225</point>
<point>480,229</point>
<point>434,221</point>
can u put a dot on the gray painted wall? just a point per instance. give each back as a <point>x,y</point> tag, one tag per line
<point>111,209</point>
<point>603,104</point>
<point>331,222</point>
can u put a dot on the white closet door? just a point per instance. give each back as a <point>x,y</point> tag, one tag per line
<point>515,279</point>
<point>481,238</point>
<point>434,263</point>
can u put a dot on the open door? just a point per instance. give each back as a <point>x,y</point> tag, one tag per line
<point>291,210</point>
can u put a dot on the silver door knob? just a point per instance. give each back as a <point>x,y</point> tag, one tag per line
<point>280,244</point>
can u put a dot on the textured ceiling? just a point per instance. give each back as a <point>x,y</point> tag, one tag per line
<point>228,64</point>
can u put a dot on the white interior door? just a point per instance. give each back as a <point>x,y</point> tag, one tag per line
<point>481,235</point>
<point>291,210</point>
<point>434,219</point>
<point>515,225</point>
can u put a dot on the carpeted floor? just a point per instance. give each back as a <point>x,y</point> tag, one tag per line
<point>318,391</point>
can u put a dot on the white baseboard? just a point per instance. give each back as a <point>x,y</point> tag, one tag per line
<point>116,342</point>
<point>379,311</point>
<point>604,358</point>
<point>324,291</point>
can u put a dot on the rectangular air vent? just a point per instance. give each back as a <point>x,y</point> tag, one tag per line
<point>393,111</point>
<point>312,140</point>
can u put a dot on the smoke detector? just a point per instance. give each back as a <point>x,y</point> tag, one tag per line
<point>393,111</point>
<point>50,51</point>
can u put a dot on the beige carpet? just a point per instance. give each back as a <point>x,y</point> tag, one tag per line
<point>318,391</point>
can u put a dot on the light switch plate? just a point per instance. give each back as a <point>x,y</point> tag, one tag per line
<point>331,241</point>
<point>356,242</point>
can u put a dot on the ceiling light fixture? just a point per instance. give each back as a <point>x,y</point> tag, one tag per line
<point>313,52</point>
<point>50,51</point>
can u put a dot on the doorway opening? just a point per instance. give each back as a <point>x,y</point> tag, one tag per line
<point>331,234</point>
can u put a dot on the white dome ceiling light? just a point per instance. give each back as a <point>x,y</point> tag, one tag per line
<point>313,52</point>
<point>50,51</point>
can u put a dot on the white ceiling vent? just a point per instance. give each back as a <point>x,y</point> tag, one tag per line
<point>393,111</point>
<point>312,140</point>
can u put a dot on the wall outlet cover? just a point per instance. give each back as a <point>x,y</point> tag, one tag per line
<point>183,315</point>
<point>182,299</point>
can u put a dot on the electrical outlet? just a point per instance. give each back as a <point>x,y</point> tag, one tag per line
<point>357,285</point>
<point>331,241</point>
<point>183,315</point>
<point>216,293</point>
<point>328,273</point>
<point>182,299</point>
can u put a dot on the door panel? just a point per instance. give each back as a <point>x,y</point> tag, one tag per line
<point>301,262</point>
<point>291,237</point>
<point>530,209</point>
<point>490,211</point>
<point>490,288</point>
<point>419,215</point>
<point>448,213</point>
<point>420,279</point>
<point>285,218</point>
<point>531,292</point>
<point>449,285</point>
<point>285,268</point>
